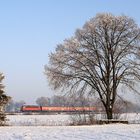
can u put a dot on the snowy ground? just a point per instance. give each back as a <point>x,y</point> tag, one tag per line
<point>52,127</point>
<point>96,132</point>
<point>59,120</point>
<point>38,120</point>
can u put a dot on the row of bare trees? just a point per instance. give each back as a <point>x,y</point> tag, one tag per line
<point>98,60</point>
<point>121,105</point>
<point>60,100</point>
<point>14,106</point>
<point>74,101</point>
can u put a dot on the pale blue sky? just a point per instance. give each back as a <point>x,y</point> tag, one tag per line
<point>31,29</point>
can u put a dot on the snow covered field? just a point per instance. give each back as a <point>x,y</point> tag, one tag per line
<point>52,127</point>
<point>95,132</point>
<point>38,120</point>
<point>58,120</point>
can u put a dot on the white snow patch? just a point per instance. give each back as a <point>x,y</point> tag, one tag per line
<point>38,120</point>
<point>96,132</point>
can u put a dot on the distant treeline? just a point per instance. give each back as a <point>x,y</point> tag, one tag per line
<point>73,101</point>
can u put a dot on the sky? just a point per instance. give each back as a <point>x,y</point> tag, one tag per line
<point>30,31</point>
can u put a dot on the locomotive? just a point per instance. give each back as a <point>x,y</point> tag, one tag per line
<point>34,108</point>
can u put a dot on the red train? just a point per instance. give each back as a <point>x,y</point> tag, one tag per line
<point>31,108</point>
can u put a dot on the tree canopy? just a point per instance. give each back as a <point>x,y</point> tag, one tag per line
<point>98,59</point>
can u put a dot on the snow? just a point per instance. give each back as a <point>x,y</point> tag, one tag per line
<point>58,120</point>
<point>131,117</point>
<point>95,132</point>
<point>38,120</point>
<point>53,127</point>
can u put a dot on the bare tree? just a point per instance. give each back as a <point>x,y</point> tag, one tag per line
<point>10,107</point>
<point>14,106</point>
<point>58,100</point>
<point>43,101</point>
<point>3,101</point>
<point>18,105</point>
<point>100,58</point>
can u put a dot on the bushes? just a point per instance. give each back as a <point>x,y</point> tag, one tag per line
<point>83,119</point>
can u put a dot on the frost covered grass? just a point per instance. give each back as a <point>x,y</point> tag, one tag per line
<point>59,120</point>
<point>38,120</point>
<point>45,127</point>
<point>133,118</point>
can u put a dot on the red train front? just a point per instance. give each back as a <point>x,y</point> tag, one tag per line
<point>30,108</point>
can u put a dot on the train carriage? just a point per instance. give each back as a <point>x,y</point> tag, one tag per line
<point>31,108</point>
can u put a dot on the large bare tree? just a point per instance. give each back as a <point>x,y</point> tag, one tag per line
<point>98,59</point>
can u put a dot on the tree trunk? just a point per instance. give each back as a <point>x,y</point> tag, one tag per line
<point>109,113</point>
